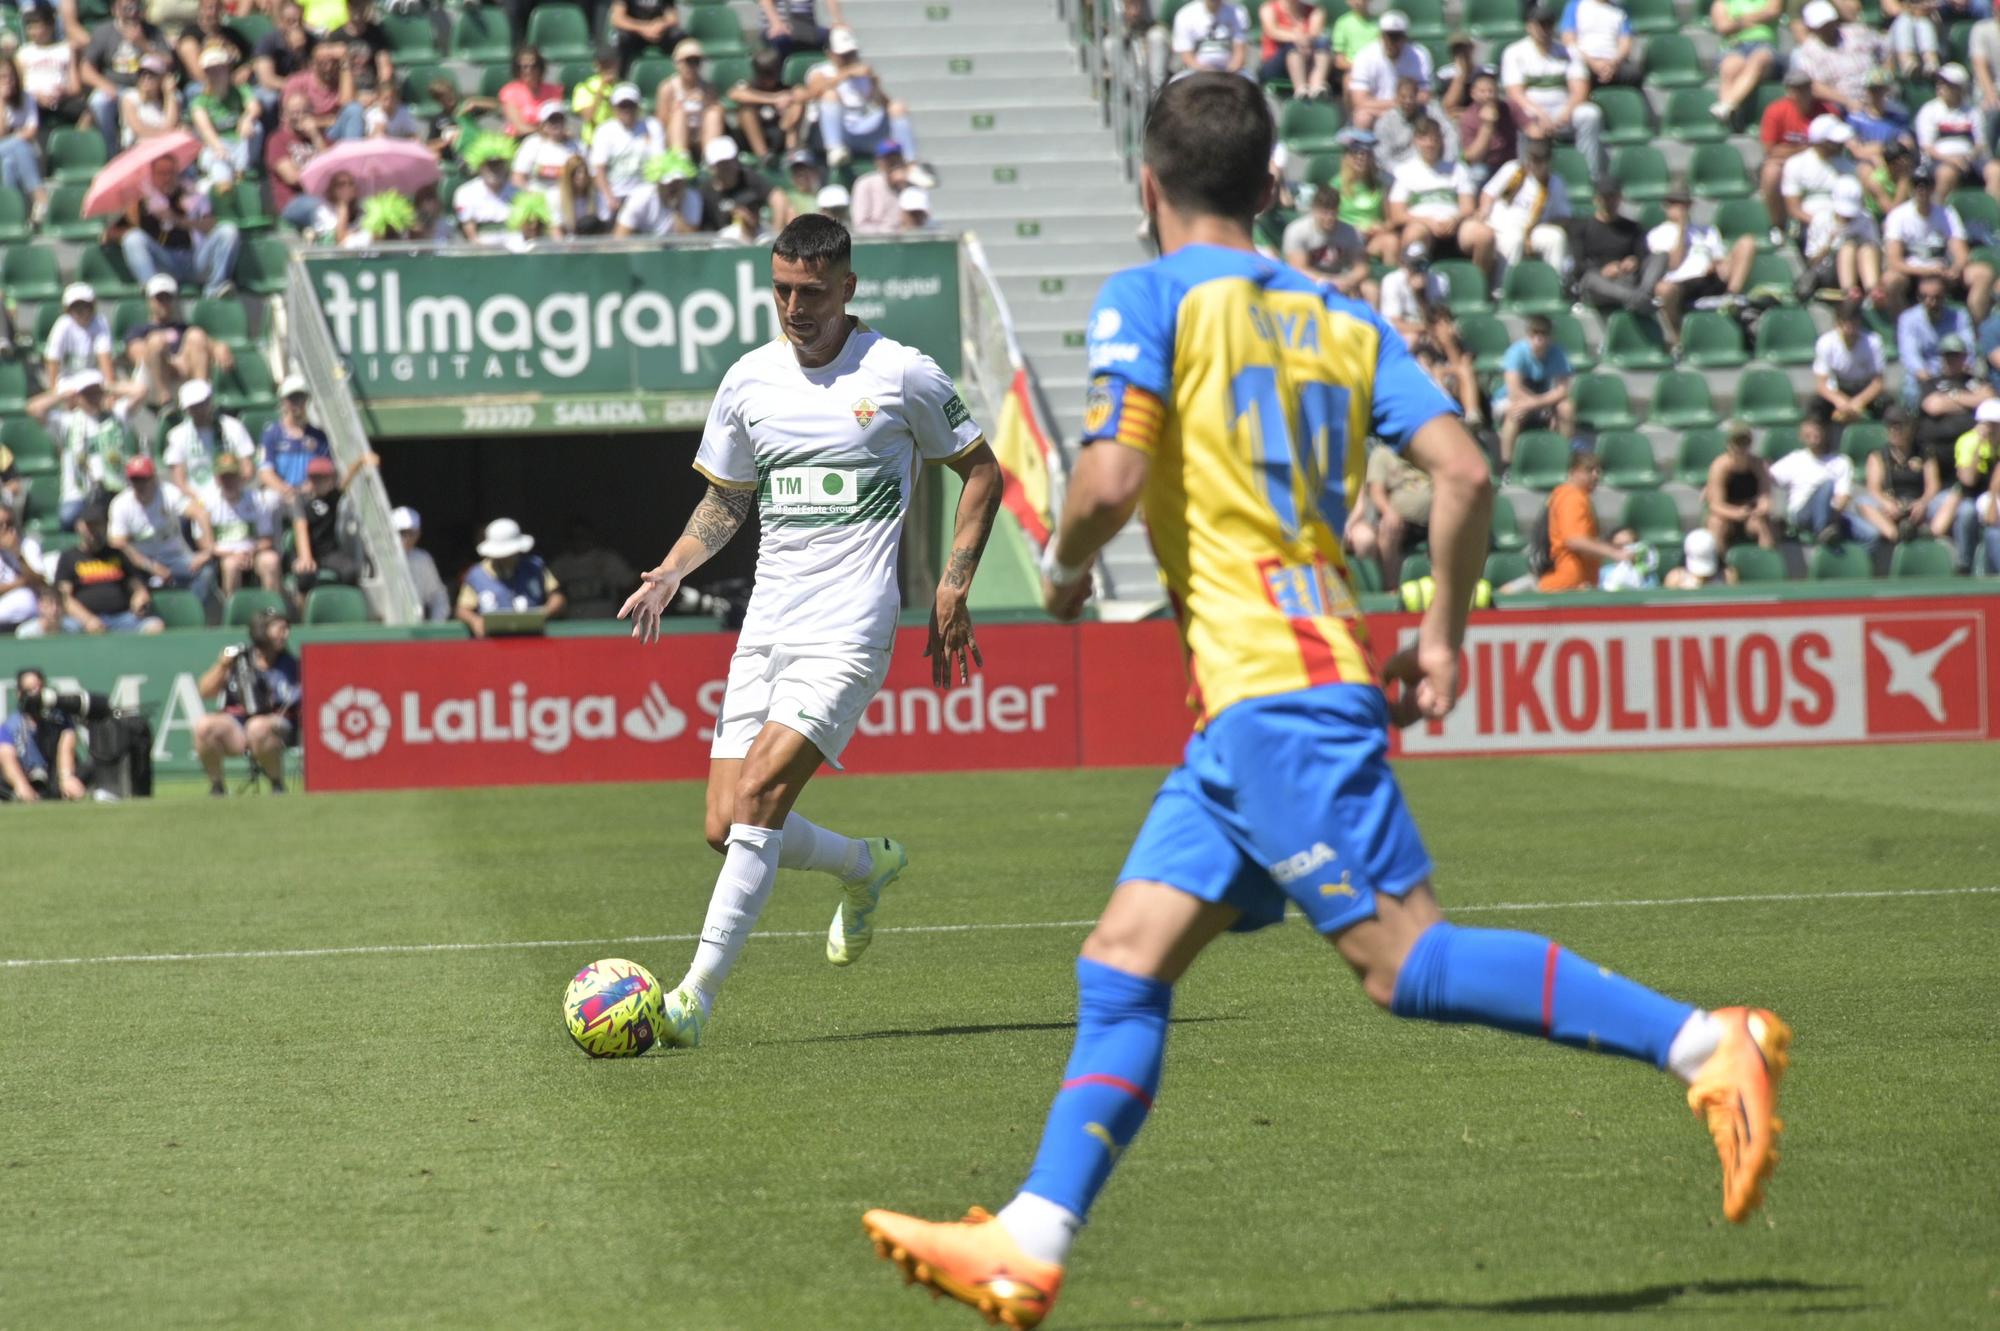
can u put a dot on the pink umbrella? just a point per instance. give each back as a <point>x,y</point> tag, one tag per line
<point>375,164</point>
<point>129,175</point>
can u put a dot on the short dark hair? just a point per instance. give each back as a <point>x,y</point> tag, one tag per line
<point>1208,144</point>
<point>814,239</point>
<point>1581,457</point>
<point>1849,311</point>
<point>1541,323</point>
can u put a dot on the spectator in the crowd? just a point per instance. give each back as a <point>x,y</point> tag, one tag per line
<point>1973,504</point>
<point>1807,182</point>
<point>20,122</point>
<point>671,207</point>
<point>1902,482</point>
<point>1140,38</point>
<point>1364,195</point>
<point>111,63</point>
<point>594,577</point>
<point>287,149</point>
<point>200,439</point>
<point>590,100</point>
<point>48,621</point>
<point>173,230</point>
<point>1455,76</point>
<point>483,203</point>
<point>260,687</point>
<point>1818,480</point>
<point>835,202</point>
<point>542,157</point>
<point>1353,32</point>
<point>13,495</point>
<point>1208,34</point>
<point>390,117</point>
<point>622,146</point>
<point>1738,493</point>
<point>434,226</point>
<point>1947,398</point>
<point>769,115</point>
<point>337,220</point>
<point>1575,552</point>
<point>50,69</point>
<point>431,593</point>
<point>1296,47</point>
<point>1882,119</point>
<point>145,524</point>
<point>793,25</point>
<point>1698,264</point>
<point>456,122</point>
<point>92,442</point>
<point>79,339</point>
<point>1914,40</point>
<point>1444,356</point>
<point>21,581</point>
<point>1371,83</point>
<point>1488,134</point>
<point>1701,563</point>
<point>281,52</point>
<point>1549,87</point>
<point>639,26</point>
<point>1783,131</point>
<point>804,179</point>
<point>508,579</point>
<point>1983,44</point>
<point>1399,493</point>
<point>529,221</point>
<point>291,442</point>
<point>523,98</point>
<point>1534,392</point>
<point>386,216</point>
<point>856,111</point>
<point>101,592</point>
<point>1615,269</point>
<point>367,47</point>
<point>578,209</point>
<point>1327,249</point>
<point>876,210</point>
<point>1396,128</point>
<point>211,27</point>
<point>1411,291</point>
<point>1636,571</point>
<point>245,523</point>
<point>327,85</point>
<point>1948,136</point>
<point>38,746</point>
<point>1838,55</point>
<point>730,187</point>
<point>1601,32</point>
<point>226,117</point>
<point>1848,367</point>
<point>152,105</point>
<point>1524,206</point>
<point>1749,34</point>
<point>1921,329</point>
<point>1843,248</point>
<point>1887,182</point>
<point>327,552</point>
<point>915,204</point>
<point>688,106</point>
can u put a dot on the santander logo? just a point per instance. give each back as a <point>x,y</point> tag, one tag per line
<point>356,722</point>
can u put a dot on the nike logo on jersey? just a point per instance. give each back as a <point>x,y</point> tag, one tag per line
<point>751,425</point>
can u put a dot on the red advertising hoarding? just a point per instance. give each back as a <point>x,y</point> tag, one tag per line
<point>391,715</point>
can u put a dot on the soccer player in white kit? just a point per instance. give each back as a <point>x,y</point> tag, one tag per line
<point>824,430</point>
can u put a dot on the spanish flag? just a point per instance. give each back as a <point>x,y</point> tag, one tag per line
<point>1022,446</point>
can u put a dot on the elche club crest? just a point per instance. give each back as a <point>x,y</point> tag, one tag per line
<point>864,413</point>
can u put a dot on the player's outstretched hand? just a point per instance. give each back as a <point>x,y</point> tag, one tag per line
<point>657,589</point>
<point>951,642</point>
<point>1428,685</point>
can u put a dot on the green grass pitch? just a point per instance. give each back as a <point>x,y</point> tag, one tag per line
<point>408,1138</point>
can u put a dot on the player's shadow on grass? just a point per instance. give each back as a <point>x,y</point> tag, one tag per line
<point>987,1028</point>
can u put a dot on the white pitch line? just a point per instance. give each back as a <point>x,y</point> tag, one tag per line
<point>395,949</point>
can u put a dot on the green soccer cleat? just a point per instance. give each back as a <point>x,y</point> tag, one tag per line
<point>682,1020</point>
<point>851,931</point>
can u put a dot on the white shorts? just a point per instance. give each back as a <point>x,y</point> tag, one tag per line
<point>818,691</point>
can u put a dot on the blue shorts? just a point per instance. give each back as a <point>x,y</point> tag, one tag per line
<point>1286,797</point>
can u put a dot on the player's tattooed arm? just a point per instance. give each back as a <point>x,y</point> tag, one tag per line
<point>715,519</point>
<point>952,649</point>
<point>718,516</point>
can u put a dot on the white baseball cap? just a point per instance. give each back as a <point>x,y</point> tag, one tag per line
<point>1394,21</point>
<point>1698,553</point>
<point>1954,73</point>
<point>405,518</point>
<point>1989,411</point>
<point>1847,197</point>
<point>1828,129</point>
<point>294,383</point>
<point>842,42</point>
<point>195,392</point>
<point>550,110</point>
<point>78,291</point>
<point>81,380</point>
<point>1818,14</point>
<point>721,148</point>
<point>914,199</point>
<point>833,196</point>
<point>627,92</point>
<point>162,284</point>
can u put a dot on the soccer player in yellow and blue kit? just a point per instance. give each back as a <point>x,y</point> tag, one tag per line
<point>1233,398</point>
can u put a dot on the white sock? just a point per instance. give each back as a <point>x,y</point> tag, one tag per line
<point>1699,1037</point>
<point>749,871</point>
<point>1043,1230</point>
<point>810,846</point>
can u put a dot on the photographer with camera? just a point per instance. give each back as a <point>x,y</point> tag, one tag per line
<point>38,758</point>
<point>259,686</point>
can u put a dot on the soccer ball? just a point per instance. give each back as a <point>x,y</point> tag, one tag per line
<point>614,1008</point>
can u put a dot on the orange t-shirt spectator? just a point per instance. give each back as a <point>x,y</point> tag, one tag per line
<point>1574,549</point>
<point>522,99</point>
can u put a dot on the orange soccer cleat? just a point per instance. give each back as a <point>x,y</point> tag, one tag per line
<point>1736,1091</point>
<point>974,1260</point>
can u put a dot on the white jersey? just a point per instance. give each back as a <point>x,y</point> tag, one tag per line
<point>242,522</point>
<point>833,454</point>
<point>187,447</point>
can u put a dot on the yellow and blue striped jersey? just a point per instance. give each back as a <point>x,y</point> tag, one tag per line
<point>1253,390</point>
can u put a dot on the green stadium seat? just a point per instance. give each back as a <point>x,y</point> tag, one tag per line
<point>1651,18</point>
<point>1840,563</point>
<point>1654,517</point>
<point>125,316</point>
<point>228,320</point>
<point>1628,460</point>
<point>1532,287</point>
<point>1571,337</point>
<point>1601,403</point>
<point>1786,336</point>
<point>76,154</point>
<point>729,71</point>
<point>1365,574</point>
<point>1765,398</point>
<point>1681,401</point>
<point>495,76</point>
<point>29,442</point>
<point>180,609</point>
<point>1635,342</point>
<point>1504,566</point>
<point>1415,566</point>
<point>1485,338</point>
<point>261,265</point>
<point>46,315</point>
<point>1506,533</point>
<point>1753,563</point>
<point>30,273</point>
<point>64,219</point>
<point>1860,439</point>
<point>1686,119</point>
<point>1465,287</point>
<point>717,29</point>
<point>247,385</point>
<point>797,66</point>
<point>1573,169</point>
<point>1922,559</point>
<point>410,38</point>
<point>1698,450</point>
<point>252,27</point>
<point>1541,460</point>
<point>13,216</point>
<point>1427,21</point>
<point>482,35</point>
<point>1752,112</point>
<point>246,602</point>
<point>104,267</point>
<point>1310,127</point>
<point>1717,172</point>
<point>1671,61</point>
<point>1496,21</point>
<point>1641,171</point>
<point>244,206</point>
<point>1773,270</point>
<point>1270,227</point>
<point>1711,341</point>
<point>336,605</point>
<point>13,387</point>
<point>1978,210</point>
<point>1778,441</point>
<point>1626,116</point>
<point>1735,218</point>
<point>415,79</point>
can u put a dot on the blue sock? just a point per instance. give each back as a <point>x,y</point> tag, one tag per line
<point>1525,983</point>
<point>1107,1089</point>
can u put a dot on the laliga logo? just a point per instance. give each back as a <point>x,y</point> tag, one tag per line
<point>354,723</point>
